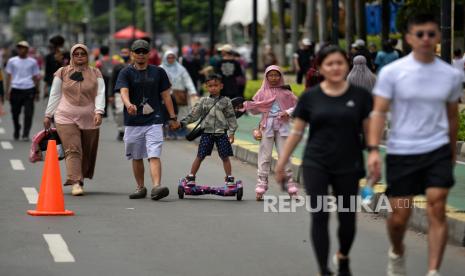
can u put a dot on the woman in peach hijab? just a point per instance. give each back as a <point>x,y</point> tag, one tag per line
<point>77,102</point>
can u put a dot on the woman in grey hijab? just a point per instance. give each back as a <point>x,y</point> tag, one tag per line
<point>360,75</point>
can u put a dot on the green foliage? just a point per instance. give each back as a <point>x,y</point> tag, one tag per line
<point>252,87</point>
<point>461,134</point>
<point>413,7</point>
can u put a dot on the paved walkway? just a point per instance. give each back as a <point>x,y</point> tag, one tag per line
<point>456,197</point>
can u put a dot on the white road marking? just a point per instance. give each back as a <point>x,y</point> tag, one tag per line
<point>2,130</point>
<point>58,248</point>
<point>31,194</point>
<point>6,145</point>
<point>17,165</point>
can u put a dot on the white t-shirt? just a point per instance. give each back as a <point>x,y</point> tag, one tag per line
<point>22,71</point>
<point>418,93</point>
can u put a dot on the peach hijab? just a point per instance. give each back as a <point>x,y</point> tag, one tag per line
<point>79,93</point>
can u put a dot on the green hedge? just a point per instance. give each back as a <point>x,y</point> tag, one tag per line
<point>461,135</point>
<point>253,86</point>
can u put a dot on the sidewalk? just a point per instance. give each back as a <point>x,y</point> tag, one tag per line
<point>246,149</point>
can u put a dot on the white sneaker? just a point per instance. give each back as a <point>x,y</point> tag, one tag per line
<point>396,264</point>
<point>433,273</point>
<point>77,190</point>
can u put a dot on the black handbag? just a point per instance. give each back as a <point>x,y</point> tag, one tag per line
<point>197,131</point>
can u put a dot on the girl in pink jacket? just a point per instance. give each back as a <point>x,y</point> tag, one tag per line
<point>276,104</point>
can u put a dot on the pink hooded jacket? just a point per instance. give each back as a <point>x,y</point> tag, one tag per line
<point>267,95</point>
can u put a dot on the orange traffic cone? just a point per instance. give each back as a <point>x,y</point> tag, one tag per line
<point>51,201</point>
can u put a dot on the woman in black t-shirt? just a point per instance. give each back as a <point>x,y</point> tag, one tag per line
<point>338,116</point>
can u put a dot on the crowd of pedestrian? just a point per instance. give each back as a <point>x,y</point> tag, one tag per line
<point>346,105</point>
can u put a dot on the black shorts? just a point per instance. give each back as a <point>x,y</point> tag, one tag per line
<point>410,175</point>
<point>207,140</point>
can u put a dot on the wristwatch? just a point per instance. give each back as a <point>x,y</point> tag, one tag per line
<point>173,118</point>
<point>372,148</point>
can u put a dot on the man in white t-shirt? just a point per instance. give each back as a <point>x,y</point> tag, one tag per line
<point>421,92</point>
<point>22,81</point>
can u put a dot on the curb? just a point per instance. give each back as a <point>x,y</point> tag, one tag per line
<point>248,152</point>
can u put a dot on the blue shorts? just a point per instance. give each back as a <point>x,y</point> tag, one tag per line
<point>222,145</point>
<point>143,141</point>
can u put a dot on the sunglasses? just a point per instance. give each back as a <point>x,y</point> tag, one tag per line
<point>421,34</point>
<point>141,52</point>
<point>80,54</point>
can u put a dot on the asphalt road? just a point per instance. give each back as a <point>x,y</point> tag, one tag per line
<point>113,235</point>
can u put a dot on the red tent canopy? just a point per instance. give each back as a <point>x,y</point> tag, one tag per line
<point>128,32</point>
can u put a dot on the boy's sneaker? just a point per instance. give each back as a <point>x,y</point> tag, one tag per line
<point>190,180</point>
<point>396,264</point>
<point>139,193</point>
<point>229,181</point>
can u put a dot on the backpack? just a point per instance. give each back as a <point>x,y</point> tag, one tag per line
<point>107,68</point>
<point>40,142</point>
<point>313,77</point>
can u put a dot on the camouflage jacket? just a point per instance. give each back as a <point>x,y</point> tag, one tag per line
<point>220,119</point>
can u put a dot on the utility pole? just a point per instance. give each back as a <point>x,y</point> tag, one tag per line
<point>323,28</point>
<point>254,41</point>
<point>211,24</point>
<point>446,10</point>
<point>385,19</point>
<point>349,22</point>
<point>310,20</point>
<point>295,25</point>
<point>178,27</point>
<point>134,11</point>
<point>335,29</point>
<point>148,18</point>
<point>112,27</point>
<point>360,16</point>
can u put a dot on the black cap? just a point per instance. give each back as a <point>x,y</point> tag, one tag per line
<point>140,44</point>
<point>213,77</point>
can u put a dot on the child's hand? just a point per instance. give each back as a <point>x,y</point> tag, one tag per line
<point>284,115</point>
<point>231,139</point>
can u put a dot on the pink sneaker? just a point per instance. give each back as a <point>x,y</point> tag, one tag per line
<point>261,188</point>
<point>292,189</point>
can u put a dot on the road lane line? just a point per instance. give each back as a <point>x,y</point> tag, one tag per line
<point>31,194</point>
<point>58,248</point>
<point>6,145</point>
<point>17,165</point>
<point>2,130</point>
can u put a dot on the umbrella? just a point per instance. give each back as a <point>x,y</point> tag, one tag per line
<point>129,32</point>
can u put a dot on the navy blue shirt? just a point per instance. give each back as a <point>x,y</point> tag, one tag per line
<point>144,84</point>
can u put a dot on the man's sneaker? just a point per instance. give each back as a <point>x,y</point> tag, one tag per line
<point>190,180</point>
<point>229,181</point>
<point>159,193</point>
<point>139,193</point>
<point>343,266</point>
<point>25,139</point>
<point>433,273</point>
<point>396,264</point>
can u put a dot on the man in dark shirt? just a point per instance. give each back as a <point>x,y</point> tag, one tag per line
<point>361,50</point>
<point>303,58</point>
<point>231,72</point>
<point>143,88</point>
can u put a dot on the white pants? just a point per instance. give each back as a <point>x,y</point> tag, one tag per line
<point>265,154</point>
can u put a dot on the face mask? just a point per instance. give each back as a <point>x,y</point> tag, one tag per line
<point>125,58</point>
<point>76,76</point>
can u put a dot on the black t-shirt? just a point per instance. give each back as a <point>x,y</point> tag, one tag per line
<point>229,71</point>
<point>148,84</point>
<point>336,129</point>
